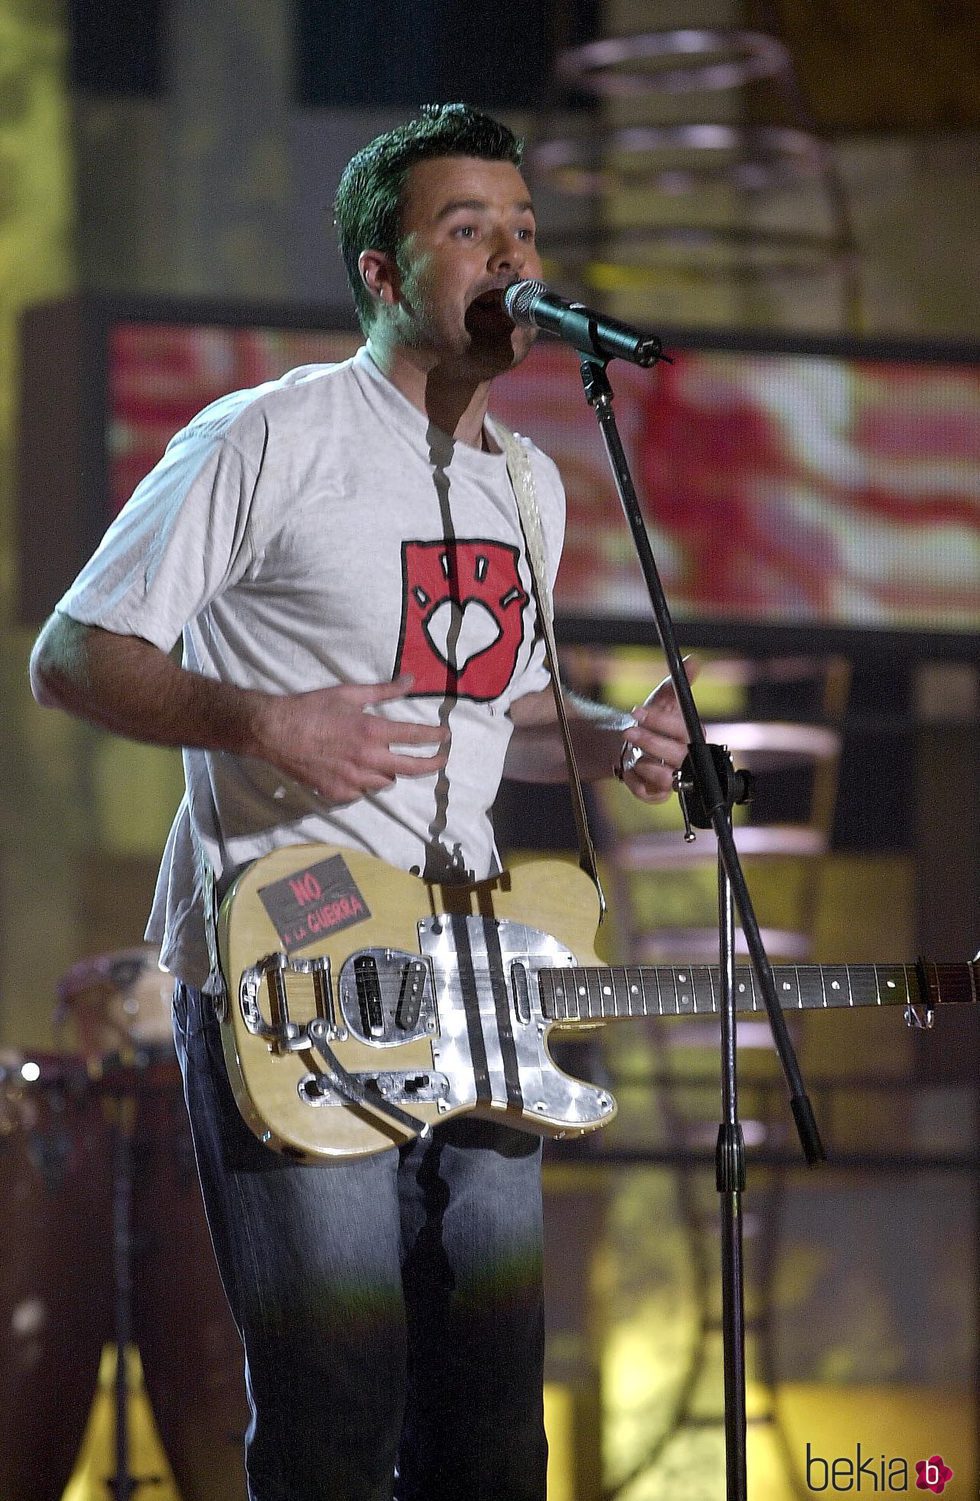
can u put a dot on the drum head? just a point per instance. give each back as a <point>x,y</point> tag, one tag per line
<point>117,1003</point>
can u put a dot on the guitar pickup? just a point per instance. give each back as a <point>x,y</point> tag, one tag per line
<point>521,992</point>
<point>409,1007</point>
<point>368,986</point>
<point>386,997</point>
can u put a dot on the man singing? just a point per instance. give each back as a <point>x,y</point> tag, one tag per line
<point>316,545</point>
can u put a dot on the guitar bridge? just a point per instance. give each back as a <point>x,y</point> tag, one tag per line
<point>283,1032</point>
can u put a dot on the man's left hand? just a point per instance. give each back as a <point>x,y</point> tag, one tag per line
<point>655,747</point>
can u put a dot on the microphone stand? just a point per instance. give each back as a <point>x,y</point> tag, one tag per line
<point>708,786</point>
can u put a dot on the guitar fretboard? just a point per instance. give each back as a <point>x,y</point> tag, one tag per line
<point>590,995</point>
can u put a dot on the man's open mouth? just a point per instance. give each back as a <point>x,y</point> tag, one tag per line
<point>490,303</point>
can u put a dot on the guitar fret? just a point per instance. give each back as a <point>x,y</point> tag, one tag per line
<point>887,984</point>
<point>745,985</point>
<point>864,987</point>
<point>834,990</point>
<point>578,995</point>
<point>955,984</point>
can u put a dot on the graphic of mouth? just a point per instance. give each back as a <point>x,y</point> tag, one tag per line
<point>459,632</point>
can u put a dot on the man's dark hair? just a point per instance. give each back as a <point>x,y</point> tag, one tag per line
<point>367,208</point>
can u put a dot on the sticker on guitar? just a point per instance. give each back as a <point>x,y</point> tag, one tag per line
<point>313,903</point>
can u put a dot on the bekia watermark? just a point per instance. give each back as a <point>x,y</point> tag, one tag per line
<point>875,1473</point>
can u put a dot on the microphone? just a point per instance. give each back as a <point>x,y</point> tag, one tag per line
<point>589,332</point>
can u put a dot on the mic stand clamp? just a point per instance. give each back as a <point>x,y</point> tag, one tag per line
<point>736,789</point>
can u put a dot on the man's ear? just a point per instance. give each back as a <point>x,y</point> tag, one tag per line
<point>379,273</point>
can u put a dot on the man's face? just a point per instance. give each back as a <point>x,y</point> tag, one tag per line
<point>467,233</point>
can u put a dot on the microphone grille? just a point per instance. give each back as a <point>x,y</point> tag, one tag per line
<point>520,298</point>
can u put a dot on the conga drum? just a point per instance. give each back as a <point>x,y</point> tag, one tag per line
<point>55,1293</point>
<point>119,1008</point>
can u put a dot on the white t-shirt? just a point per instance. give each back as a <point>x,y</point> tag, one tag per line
<point>313,531</point>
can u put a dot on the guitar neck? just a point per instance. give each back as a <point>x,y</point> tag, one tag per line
<point>589,995</point>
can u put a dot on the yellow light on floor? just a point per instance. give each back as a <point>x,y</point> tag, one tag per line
<point>147,1461</point>
<point>559,1422</point>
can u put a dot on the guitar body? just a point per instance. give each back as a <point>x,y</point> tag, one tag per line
<point>365,1005</point>
<point>424,1006</point>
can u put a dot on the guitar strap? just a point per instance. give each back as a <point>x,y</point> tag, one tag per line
<point>522,481</point>
<point>214,985</point>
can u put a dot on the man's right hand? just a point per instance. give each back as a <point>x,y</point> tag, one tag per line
<point>328,740</point>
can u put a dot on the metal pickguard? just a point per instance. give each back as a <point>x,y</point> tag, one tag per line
<point>475,996</point>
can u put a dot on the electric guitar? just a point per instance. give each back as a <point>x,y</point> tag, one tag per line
<point>364,1005</point>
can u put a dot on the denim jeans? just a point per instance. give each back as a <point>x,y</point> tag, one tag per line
<point>390,1307</point>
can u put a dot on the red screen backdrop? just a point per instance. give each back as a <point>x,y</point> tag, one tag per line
<point>781,489</point>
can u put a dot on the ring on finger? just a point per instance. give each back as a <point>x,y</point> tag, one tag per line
<point>629,756</point>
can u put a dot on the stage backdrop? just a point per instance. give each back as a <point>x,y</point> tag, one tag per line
<point>794,492</point>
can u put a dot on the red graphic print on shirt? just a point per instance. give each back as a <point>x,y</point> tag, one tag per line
<point>462,617</point>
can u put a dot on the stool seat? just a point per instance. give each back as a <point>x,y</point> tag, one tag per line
<point>700,945</point>
<point>660,850</point>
